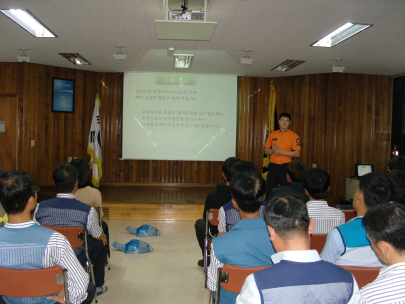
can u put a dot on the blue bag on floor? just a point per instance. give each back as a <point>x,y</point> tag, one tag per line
<point>144,230</point>
<point>133,246</point>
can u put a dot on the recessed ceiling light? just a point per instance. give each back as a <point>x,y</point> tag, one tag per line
<point>29,22</point>
<point>287,65</point>
<point>342,33</point>
<point>75,58</point>
<point>182,61</point>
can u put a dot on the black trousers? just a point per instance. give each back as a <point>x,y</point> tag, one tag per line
<point>200,233</point>
<point>91,292</point>
<point>107,235</point>
<point>98,257</point>
<point>277,175</point>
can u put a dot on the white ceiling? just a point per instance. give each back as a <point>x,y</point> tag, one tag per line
<point>275,30</point>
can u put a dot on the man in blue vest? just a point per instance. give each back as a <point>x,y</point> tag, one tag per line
<point>247,244</point>
<point>66,211</point>
<point>39,247</point>
<point>298,275</point>
<point>348,244</point>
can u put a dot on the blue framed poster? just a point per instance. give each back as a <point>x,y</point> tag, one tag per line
<point>62,95</point>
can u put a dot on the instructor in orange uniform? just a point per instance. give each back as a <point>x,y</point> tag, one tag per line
<point>282,145</point>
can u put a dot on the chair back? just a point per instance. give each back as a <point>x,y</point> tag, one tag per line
<point>318,241</point>
<point>75,235</point>
<point>32,282</point>
<point>232,277</point>
<point>363,275</point>
<point>213,217</point>
<point>349,214</point>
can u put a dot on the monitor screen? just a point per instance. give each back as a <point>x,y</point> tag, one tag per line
<point>362,169</point>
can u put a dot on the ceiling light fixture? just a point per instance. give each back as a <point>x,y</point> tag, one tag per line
<point>246,59</point>
<point>24,57</point>
<point>337,68</point>
<point>75,58</point>
<point>29,22</point>
<point>120,54</point>
<point>170,51</point>
<point>287,65</point>
<point>342,33</point>
<point>182,61</point>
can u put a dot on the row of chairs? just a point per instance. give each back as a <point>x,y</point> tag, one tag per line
<point>40,282</point>
<point>231,277</point>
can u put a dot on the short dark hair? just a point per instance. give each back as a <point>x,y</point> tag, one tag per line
<point>386,223</point>
<point>284,115</point>
<point>64,178</point>
<point>16,188</point>
<point>83,172</point>
<point>243,166</point>
<point>248,189</point>
<point>288,216</point>
<point>397,179</point>
<point>316,182</point>
<point>1,171</point>
<point>376,189</point>
<point>397,163</point>
<point>296,171</point>
<point>226,167</point>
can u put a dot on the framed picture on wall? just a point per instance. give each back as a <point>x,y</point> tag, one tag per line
<point>63,95</point>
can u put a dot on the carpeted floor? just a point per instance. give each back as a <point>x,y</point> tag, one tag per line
<point>169,274</point>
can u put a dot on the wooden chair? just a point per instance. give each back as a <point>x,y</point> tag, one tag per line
<point>77,237</point>
<point>33,282</point>
<point>232,278</point>
<point>363,275</point>
<point>318,241</point>
<point>349,214</point>
<point>212,218</point>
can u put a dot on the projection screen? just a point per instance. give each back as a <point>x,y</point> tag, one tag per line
<point>179,116</point>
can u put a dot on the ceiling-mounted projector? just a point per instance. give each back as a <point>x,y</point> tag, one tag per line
<point>186,15</point>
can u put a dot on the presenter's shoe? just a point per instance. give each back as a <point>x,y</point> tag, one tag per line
<point>101,290</point>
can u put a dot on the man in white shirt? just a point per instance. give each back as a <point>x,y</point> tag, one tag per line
<point>40,247</point>
<point>385,225</point>
<point>298,275</point>
<point>317,184</point>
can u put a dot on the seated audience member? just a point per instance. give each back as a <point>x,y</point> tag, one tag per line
<point>397,179</point>
<point>299,275</point>
<point>247,244</point>
<point>295,176</point>
<point>397,163</point>
<point>348,244</point>
<point>215,200</point>
<point>316,184</point>
<point>385,225</point>
<point>66,211</point>
<point>87,193</point>
<point>40,247</point>
<point>228,216</point>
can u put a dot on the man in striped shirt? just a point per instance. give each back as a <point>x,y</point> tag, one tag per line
<point>317,184</point>
<point>40,247</point>
<point>385,225</point>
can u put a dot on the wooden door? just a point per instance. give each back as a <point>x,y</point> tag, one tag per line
<point>8,131</point>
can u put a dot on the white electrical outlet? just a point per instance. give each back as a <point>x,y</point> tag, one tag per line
<point>313,165</point>
<point>33,143</point>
